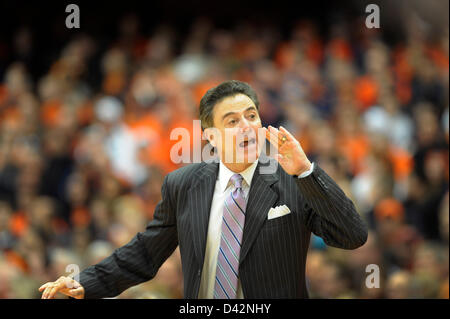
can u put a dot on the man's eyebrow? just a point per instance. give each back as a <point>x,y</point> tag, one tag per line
<point>231,113</point>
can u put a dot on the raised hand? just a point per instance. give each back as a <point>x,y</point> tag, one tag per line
<point>64,285</point>
<point>290,155</point>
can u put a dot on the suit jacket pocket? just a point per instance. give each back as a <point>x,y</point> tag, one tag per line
<point>279,221</point>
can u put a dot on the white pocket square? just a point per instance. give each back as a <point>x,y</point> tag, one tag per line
<point>278,211</point>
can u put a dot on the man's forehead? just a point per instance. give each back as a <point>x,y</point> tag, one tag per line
<point>236,103</point>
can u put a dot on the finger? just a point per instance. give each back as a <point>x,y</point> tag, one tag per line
<point>282,144</point>
<point>44,286</point>
<point>281,136</point>
<point>275,143</point>
<point>274,137</point>
<point>288,135</point>
<point>269,137</point>
<point>262,131</point>
<point>45,293</point>
<point>52,293</point>
<point>267,132</point>
<point>274,131</point>
<point>54,289</point>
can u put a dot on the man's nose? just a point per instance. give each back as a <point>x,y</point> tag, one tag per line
<point>244,125</point>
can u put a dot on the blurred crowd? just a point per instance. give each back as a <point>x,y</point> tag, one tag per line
<point>84,147</point>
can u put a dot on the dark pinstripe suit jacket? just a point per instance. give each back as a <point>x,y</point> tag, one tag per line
<point>273,253</point>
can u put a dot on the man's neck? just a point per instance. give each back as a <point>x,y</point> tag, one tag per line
<point>237,167</point>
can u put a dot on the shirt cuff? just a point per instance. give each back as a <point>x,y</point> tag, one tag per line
<point>308,172</point>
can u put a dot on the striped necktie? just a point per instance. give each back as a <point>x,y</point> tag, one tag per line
<point>226,282</point>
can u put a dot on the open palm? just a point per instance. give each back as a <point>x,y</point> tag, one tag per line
<point>290,155</point>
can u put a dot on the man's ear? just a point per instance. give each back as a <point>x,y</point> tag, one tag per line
<point>211,135</point>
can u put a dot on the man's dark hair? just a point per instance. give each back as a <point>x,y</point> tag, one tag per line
<point>218,93</point>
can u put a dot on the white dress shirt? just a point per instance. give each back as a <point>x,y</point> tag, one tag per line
<point>222,189</point>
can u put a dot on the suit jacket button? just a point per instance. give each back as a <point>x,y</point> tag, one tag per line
<point>199,273</point>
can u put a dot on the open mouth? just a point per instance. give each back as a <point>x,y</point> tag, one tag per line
<point>247,143</point>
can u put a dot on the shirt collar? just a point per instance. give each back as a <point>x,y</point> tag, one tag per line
<point>225,174</point>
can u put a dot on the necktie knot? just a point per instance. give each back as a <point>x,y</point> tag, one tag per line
<point>236,179</point>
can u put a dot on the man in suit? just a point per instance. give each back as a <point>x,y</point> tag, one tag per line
<point>243,230</point>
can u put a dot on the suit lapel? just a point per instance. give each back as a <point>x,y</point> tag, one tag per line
<point>261,198</point>
<point>200,197</point>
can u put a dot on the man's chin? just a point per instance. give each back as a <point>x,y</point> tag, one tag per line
<point>248,157</point>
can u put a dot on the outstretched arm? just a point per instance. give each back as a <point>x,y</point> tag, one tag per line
<point>136,262</point>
